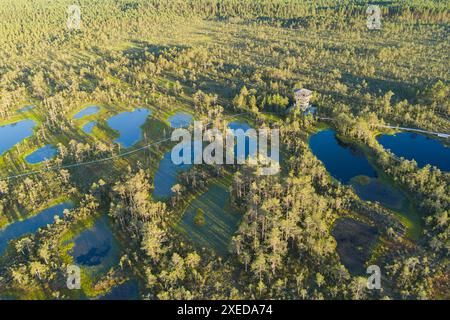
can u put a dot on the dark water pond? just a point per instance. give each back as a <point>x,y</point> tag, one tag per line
<point>95,246</point>
<point>126,291</point>
<point>249,149</point>
<point>45,153</point>
<point>354,243</point>
<point>129,124</point>
<point>422,149</point>
<point>32,224</point>
<point>350,166</point>
<point>235,125</point>
<point>25,109</point>
<point>377,191</point>
<point>87,112</point>
<point>166,176</point>
<point>180,120</point>
<point>342,161</point>
<point>88,127</point>
<point>12,134</point>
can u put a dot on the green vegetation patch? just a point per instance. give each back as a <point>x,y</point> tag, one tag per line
<point>361,180</point>
<point>378,191</point>
<point>199,218</point>
<point>210,221</point>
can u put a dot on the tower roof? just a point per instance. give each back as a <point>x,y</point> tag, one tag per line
<point>303,92</point>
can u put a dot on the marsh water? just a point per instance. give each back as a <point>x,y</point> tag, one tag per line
<point>95,246</point>
<point>32,224</point>
<point>88,127</point>
<point>235,125</point>
<point>45,153</point>
<point>125,291</point>
<point>166,175</point>
<point>129,124</point>
<point>377,191</point>
<point>342,161</point>
<point>12,134</point>
<point>87,112</point>
<point>422,149</point>
<point>180,120</point>
<point>246,151</point>
<point>350,166</point>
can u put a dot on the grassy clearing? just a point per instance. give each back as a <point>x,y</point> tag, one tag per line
<point>220,219</point>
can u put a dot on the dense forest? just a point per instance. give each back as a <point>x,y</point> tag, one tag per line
<point>222,61</point>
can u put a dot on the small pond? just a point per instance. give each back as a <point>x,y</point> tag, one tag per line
<point>129,124</point>
<point>342,161</point>
<point>12,134</point>
<point>47,152</point>
<point>95,246</point>
<point>88,127</point>
<point>422,149</point>
<point>243,153</point>
<point>87,112</point>
<point>31,225</point>
<point>180,120</point>
<point>166,176</point>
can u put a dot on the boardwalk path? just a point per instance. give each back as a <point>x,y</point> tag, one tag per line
<point>439,134</point>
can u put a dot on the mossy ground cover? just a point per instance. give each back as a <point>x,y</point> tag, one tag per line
<point>355,241</point>
<point>407,210</point>
<point>220,219</point>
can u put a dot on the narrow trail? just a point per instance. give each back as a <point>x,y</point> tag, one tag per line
<point>439,134</point>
